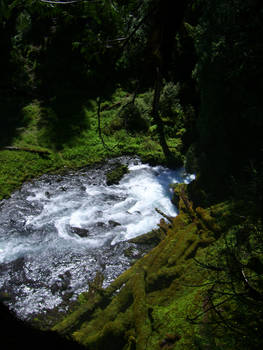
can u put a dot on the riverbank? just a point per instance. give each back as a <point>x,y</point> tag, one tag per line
<point>160,302</point>
<point>175,296</point>
<point>59,231</point>
<point>43,143</point>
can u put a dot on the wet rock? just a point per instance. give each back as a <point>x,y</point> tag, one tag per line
<point>12,222</point>
<point>130,252</point>
<point>67,296</point>
<point>81,232</point>
<point>99,213</point>
<point>54,288</point>
<point>113,223</point>
<point>61,284</point>
<point>18,264</point>
<point>5,297</point>
<point>114,176</point>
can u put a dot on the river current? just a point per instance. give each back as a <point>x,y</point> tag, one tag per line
<point>58,231</point>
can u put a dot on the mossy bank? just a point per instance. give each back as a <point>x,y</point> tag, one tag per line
<point>150,305</point>
<point>42,142</point>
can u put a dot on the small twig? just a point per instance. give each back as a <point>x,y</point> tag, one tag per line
<point>208,266</point>
<point>210,308</point>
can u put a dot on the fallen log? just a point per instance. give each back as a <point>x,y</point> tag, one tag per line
<point>26,149</point>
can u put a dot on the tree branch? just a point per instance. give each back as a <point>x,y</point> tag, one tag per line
<point>60,2</point>
<point>192,319</point>
<point>99,124</point>
<point>208,266</point>
<point>68,2</point>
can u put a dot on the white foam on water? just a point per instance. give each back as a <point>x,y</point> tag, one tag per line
<point>55,229</point>
<point>131,205</point>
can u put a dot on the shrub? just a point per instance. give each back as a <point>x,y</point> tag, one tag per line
<point>133,119</point>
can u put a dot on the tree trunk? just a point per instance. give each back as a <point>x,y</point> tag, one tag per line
<point>156,116</point>
<point>99,124</point>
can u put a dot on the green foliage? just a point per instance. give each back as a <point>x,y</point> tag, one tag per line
<point>133,120</point>
<point>236,288</point>
<point>154,297</point>
<point>55,62</point>
<point>31,113</point>
<point>18,166</point>
<point>69,136</point>
<point>169,101</point>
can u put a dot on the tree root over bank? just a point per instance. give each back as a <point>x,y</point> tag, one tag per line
<point>146,307</point>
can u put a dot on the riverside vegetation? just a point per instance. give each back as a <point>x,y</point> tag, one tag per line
<point>87,81</point>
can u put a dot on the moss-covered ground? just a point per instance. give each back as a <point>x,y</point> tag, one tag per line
<point>51,138</point>
<point>149,306</point>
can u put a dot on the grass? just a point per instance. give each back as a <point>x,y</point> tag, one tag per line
<point>72,140</point>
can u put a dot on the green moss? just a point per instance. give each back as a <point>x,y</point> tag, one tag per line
<point>125,315</point>
<point>152,237</point>
<point>70,135</point>
<point>177,189</point>
<point>148,306</point>
<point>141,320</point>
<point>114,176</point>
<point>71,138</point>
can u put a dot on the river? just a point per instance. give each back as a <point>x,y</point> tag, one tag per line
<point>56,232</point>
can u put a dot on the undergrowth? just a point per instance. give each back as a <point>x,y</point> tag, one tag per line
<point>48,141</point>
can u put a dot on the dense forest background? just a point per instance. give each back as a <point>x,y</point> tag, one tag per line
<point>177,82</point>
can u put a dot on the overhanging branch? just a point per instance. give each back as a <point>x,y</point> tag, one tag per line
<point>67,2</point>
<point>60,2</point>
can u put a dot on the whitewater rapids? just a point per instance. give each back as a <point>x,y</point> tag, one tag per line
<point>58,231</point>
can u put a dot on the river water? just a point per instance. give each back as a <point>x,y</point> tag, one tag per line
<point>58,231</point>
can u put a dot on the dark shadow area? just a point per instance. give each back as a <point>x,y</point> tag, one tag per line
<point>10,118</point>
<point>16,334</point>
<point>63,118</point>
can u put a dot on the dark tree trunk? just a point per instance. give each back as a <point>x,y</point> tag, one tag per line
<point>99,123</point>
<point>156,115</point>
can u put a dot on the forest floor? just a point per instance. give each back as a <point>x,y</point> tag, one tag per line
<point>45,142</point>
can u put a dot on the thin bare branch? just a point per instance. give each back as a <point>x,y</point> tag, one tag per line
<point>192,319</point>
<point>208,266</point>
<point>67,2</point>
<point>60,2</point>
